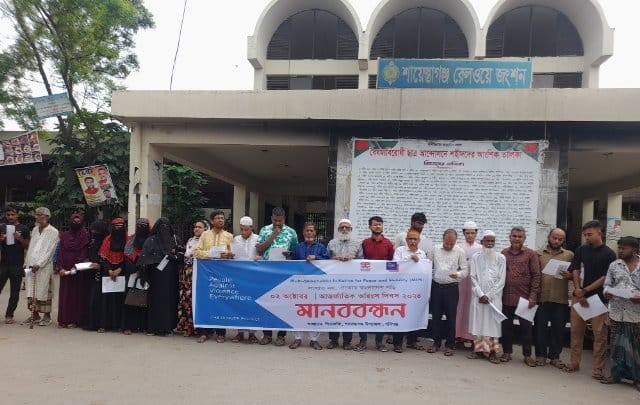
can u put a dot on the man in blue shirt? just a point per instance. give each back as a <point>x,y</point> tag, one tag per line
<point>308,250</point>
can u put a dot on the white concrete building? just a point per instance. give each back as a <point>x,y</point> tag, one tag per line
<point>287,147</point>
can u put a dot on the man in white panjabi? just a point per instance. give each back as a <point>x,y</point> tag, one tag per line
<point>470,247</point>
<point>244,248</point>
<point>488,273</point>
<point>44,239</point>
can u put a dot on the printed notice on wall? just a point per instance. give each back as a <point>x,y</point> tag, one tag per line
<point>494,183</point>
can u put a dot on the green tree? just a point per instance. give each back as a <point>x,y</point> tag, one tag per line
<point>83,47</point>
<point>183,197</point>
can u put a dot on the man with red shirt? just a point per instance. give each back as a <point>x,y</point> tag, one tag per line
<point>523,280</point>
<point>377,247</point>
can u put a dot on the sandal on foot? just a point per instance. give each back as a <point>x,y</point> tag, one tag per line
<point>237,338</point>
<point>381,348</point>
<point>126,332</point>
<point>557,363</point>
<point>220,339</point>
<point>332,345</point>
<point>265,340</point>
<point>493,359</point>
<point>541,361</point>
<point>570,368</point>
<point>295,344</point>
<point>505,358</point>
<point>529,361</point>
<point>347,346</point>
<point>202,338</point>
<point>449,352</point>
<point>415,347</point>
<point>608,380</point>
<point>315,345</point>
<point>474,356</point>
<point>101,330</point>
<point>397,349</point>
<point>252,338</point>
<point>432,349</point>
<point>280,341</point>
<point>9,321</point>
<point>597,374</point>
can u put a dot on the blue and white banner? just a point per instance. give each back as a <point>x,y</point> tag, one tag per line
<point>323,295</point>
<point>454,74</point>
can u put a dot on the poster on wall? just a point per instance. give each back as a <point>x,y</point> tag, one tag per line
<point>494,183</point>
<point>21,149</point>
<point>97,186</point>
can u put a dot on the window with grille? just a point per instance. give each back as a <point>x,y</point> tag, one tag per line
<point>311,82</point>
<point>420,33</point>
<point>533,31</point>
<point>313,34</point>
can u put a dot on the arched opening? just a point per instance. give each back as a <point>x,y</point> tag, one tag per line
<point>420,33</point>
<point>313,34</point>
<point>533,31</point>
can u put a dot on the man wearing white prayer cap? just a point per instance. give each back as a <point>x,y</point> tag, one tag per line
<point>342,247</point>
<point>487,274</point>
<point>244,248</point>
<point>470,247</point>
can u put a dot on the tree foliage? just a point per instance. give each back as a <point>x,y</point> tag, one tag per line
<point>83,47</point>
<point>183,196</point>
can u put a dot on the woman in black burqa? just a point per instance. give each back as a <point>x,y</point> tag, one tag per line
<point>159,263</point>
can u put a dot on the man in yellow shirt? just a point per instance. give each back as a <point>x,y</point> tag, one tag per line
<point>214,244</point>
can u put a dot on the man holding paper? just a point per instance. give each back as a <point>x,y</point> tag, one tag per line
<point>622,288</point>
<point>487,273</point>
<point>589,267</point>
<point>522,281</point>
<point>14,240</point>
<point>554,300</point>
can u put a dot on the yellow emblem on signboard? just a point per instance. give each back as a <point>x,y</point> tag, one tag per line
<point>391,73</point>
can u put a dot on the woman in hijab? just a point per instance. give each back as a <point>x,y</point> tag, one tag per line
<point>98,232</point>
<point>185,313</point>
<point>72,299</point>
<point>159,260</point>
<point>134,319</point>
<point>112,266</point>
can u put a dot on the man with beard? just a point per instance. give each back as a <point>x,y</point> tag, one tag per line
<point>523,281</point>
<point>470,247</point>
<point>449,267</point>
<point>308,250</point>
<point>487,274</point>
<point>589,266</point>
<point>343,248</point>
<point>418,221</point>
<point>112,266</point>
<point>554,301</point>
<point>12,258</point>
<point>134,319</point>
<point>159,262</point>
<point>72,298</point>
<point>624,313</point>
<point>44,239</point>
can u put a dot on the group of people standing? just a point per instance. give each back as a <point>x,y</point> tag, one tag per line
<point>472,283</point>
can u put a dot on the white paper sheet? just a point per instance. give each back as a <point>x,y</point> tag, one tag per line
<point>554,267</point>
<point>83,266</point>
<point>497,314</point>
<point>275,254</point>
<point>163,263</point>
<point>216,251</point>
<point>11,238</point>
<point>622,293</point>
<point>134,281</point>
<point>110,286</point>
<point>523,310</point>
<point>596,307</point>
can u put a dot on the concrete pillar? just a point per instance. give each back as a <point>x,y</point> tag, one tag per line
<point>614,219</point>
<point>239,202</point>
<point>151,182</point>
<point>254,208</point>
<point>587,211</point>
<point>135,154</point>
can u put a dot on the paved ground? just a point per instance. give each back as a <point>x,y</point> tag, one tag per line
<point>48,365</point>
